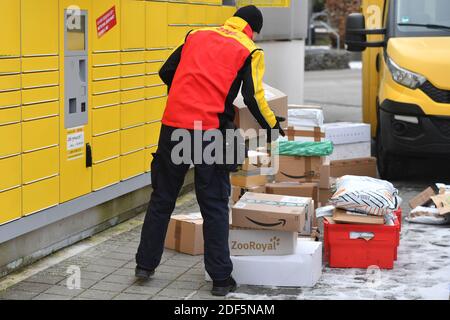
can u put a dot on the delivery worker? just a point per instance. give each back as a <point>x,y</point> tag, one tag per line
<point>204,75</point>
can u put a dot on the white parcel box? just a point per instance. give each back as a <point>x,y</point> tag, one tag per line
<point>248,242</point>
<point>302,269</point>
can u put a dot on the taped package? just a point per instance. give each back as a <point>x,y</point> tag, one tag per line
<point>365,195</point>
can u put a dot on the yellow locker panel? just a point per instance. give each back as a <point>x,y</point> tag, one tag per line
<point>105,59</point>
<point>132,70</point>
<point>40,28</point>
<point>177,13</point>
<point>10,82</point>
<point>38,134</point>
<point>132,82</point>
<point>156,55</point>
<point>105,120</point>
<point>105,147</point>
<point>40,95</point>
<point>132,57</point>
<point>10,99</point>
<point>155,91</point>
<point>132,114</point>
<point>152,80</point>
<point>214,15</point>
<point>10,173</point>
<point>40,195</point>
<point>40,64</point>
<point>176,35</point>
<point>154,109</point>
<point>105,174</point>
<point>40,165</point>
<point>149,157</point>
<point>196,15</point>
<point>106,86</point>
<point>10,205</point>
<point>133,24</point>
<point>153,67</point>
<point>134,95</point>
<point>40,79</point>
<point>10,140</point>
<point>156,25</point>
<point>106,99</point>
<point>110,40</point>
<point>10,30</point>
<point>106,73</point>
<point>132,139</point>
<point>9,66</point>
<point>227,12</point>
<point>9,116</point>
<point>152,133</point>
<point>40,110</point>
<point>132,164</point>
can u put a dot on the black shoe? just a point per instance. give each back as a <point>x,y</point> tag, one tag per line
<point>143,274</point>
<point>224,287</point>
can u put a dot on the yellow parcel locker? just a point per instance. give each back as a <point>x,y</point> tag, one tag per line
<point>176,35</point>
<point>105,147</point>
<point>177,13</point>
<point>40,95</point>
<point>133,25</point>
<point>9,66</point>
<point>105,120</point>
<point>9,82</point>
<point>156,91</point>
<point>132,69</point>
<point>132,164</point>
<point>154,109</point>
<point>152,80</point>
<point>105,174</point>
<point>132,114</point>
<point>227,12</point>
<point>110,40</point>
<point>106,99</point>
<point>106,73</point>
<point>10,30</point>
<point>10,205</point>
<point>41,110</point>
<point>40,28</point>
<point>156,25</point>
<point>10,99</point>
<point>105,86</point>
<point>152,68</point>
<point>105,59</point>
<point>39,134</point>
<point>40,64</point>
<point>156,55</point>
<point>214,15</point>
<point>152,133</point>
<point>10,173</point>
<point>40,195</point>
<point>196,15</point>
<point>40,79</point>
<point>40,165</point>
<point>9,115</point>
<point>132,95</point>
<point>149,157</point>
<point>132,139</point>
<point>10,140</point>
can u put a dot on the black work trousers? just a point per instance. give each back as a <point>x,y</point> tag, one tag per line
<point>212,187</point>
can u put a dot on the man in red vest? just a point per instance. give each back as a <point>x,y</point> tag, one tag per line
<point>204,75</point>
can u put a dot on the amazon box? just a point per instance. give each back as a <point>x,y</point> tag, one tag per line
<point>185,234</point>
<point>299,169</point>
<point>271,212</point>
<point>238,192</point>
<point>277,101</point>
<point>247,242</point>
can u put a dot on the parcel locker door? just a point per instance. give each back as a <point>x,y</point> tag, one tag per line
<point>75,128</point>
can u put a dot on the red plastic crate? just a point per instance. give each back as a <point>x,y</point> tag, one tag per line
<point>341,251</point>
<point>398,213</point>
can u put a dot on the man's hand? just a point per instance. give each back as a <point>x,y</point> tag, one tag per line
<point>278,127</point>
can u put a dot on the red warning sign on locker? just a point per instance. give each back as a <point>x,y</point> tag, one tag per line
<point>106,21</point>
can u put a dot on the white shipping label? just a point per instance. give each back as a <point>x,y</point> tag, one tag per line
<point>75,140</point>
<point>297,200</point>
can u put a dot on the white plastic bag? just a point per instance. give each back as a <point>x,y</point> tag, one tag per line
<point>365,195</point>
<point>299,117</point>
<point>425,215</point>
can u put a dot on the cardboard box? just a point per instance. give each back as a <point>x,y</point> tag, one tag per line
<point>271,212</point>
<point>302,269</point>
<point>277,101</point>
<point>347,132</point>
<point>299,169</point>
<point>442,203</point>
<point>247,242</point>
<point>366,167</point>
<point>185,234</point>
<point>422,198</point>
<point>324,197</point>
<point>238,192</point>
<point>342,216</point>
<point>351,151</point>
<point>256,160</point>
<point>248,179</point>
<point>305,134</point>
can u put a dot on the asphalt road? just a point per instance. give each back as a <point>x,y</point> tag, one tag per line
<point>340,94</point>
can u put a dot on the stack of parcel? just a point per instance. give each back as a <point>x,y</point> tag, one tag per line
<point>430,206</point>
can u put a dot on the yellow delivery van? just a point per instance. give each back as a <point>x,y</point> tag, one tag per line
<point>406,78</point>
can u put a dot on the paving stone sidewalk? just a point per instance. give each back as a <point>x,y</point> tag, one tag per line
<point>107,272</point>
